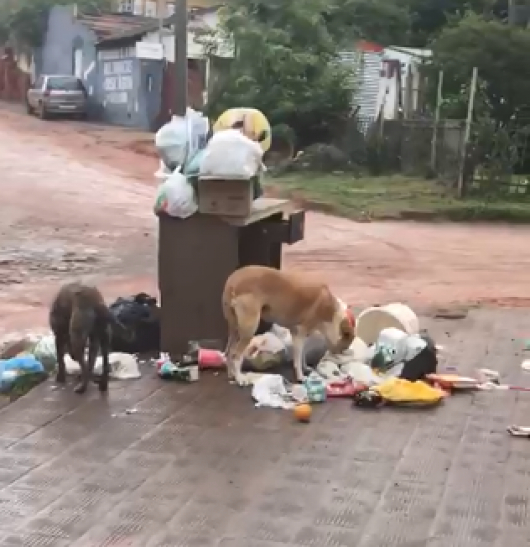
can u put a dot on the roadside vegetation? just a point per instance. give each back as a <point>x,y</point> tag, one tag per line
<point>393,197</point>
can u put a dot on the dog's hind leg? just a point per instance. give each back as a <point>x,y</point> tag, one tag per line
<point>61,344</point>
<point>105,349</point>
<point>86,373</point>
<point>232,340</point>
<point>247,315</point>
<point>236,360</point>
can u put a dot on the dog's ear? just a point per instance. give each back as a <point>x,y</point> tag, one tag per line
<point>347,329</point>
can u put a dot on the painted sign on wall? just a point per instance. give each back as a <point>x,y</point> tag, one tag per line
<point>118,80</point>
<point>117,75</point>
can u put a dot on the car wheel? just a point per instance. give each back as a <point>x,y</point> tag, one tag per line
<point>43,115</point>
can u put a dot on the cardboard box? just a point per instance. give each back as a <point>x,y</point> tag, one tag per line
<point>225,197</point>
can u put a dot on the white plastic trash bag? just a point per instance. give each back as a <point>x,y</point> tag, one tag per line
<point>163,172</point>
<point>181,137</point>
<point>231,155</point>
<point>269,390</point>
<point>171,141</point>
<point>176,197</point>
<point>45,352</point>
<point>122,366</point>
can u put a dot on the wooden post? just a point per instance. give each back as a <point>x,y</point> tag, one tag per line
<point>467,132</point>
<point>180,29</point>
<point>434,142</point>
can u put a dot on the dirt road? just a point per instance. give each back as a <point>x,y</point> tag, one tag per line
<point>76,201</point>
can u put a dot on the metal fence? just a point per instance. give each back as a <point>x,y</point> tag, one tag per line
<point>496,159</point>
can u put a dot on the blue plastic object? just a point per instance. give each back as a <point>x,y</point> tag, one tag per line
<point>12,369</point>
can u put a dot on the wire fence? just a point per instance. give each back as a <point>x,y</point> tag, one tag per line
<point>496,159</point>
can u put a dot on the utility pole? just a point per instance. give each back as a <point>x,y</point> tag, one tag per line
<point>181,56</point>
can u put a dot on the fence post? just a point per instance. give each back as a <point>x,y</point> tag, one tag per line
<point>467,132</point>
<point>434,142</point>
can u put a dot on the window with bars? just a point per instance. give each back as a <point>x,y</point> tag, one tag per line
<point>126,6</point>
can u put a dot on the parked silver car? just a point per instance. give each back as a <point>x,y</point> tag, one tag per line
<point>55,94</point>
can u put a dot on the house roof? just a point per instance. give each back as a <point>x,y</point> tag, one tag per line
<point>105,26</point>
<point>118,27</point>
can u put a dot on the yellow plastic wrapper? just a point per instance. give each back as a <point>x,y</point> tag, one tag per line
<point>397,390</point>
<point>254,123</point>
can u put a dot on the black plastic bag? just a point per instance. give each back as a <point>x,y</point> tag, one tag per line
<point>140,315</point>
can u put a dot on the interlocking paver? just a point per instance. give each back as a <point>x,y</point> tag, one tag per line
<point>199,466</point>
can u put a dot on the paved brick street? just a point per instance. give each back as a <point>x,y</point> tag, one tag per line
<point>197,465</point>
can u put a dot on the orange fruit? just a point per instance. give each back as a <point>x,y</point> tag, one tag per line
<point>302,412</point>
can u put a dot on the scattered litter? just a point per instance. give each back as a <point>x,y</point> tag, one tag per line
<point>15,369</point>
<point>373,320</point>
<point>168,370</point>
<point>344,388</point>
<point>454,381</point>
<point>399,391</point>
<point>211,358</point>
<point>126,412</point>
<point>316,388</point>
<point>486,375</point>
<point>368,399</point>
<point>302,412</point>
<point>45,352</point>
<point>122,366</point>
<point>268,349</point>
<point>519,431</point>
<point>525,365</point>
<point>270,390</point>
<point>140,315</point>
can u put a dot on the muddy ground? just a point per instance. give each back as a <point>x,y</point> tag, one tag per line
<point>77,202</point>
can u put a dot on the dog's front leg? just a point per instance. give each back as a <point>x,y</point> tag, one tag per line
<point>298,354</point>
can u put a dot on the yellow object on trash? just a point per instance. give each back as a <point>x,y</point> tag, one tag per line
<point>399,391</point>
<point>254,124</point>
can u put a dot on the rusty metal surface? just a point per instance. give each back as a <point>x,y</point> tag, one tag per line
<point>198,466</point>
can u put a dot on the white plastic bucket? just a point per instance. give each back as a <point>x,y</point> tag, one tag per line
<point>372,321</point>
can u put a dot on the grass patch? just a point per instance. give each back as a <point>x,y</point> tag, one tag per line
<point>392,197</point>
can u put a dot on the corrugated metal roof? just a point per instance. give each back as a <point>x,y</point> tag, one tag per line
<point>365,79</point>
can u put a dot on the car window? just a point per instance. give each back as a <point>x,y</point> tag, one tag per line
<point>65,83</point>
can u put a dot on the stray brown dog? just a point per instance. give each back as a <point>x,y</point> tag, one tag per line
<point>291,300</point>
<point>79,316</point>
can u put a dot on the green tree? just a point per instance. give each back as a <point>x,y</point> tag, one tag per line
<point>24,21</point>
<point>385,22</point>
<point>286,64</point>
<point>429,17</point>
<point>497,50</point>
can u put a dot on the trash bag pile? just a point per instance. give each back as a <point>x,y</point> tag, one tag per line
<point>234,152</point>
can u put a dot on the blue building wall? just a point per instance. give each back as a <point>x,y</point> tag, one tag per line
<point>129,89</point>
<point>122,89</point>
